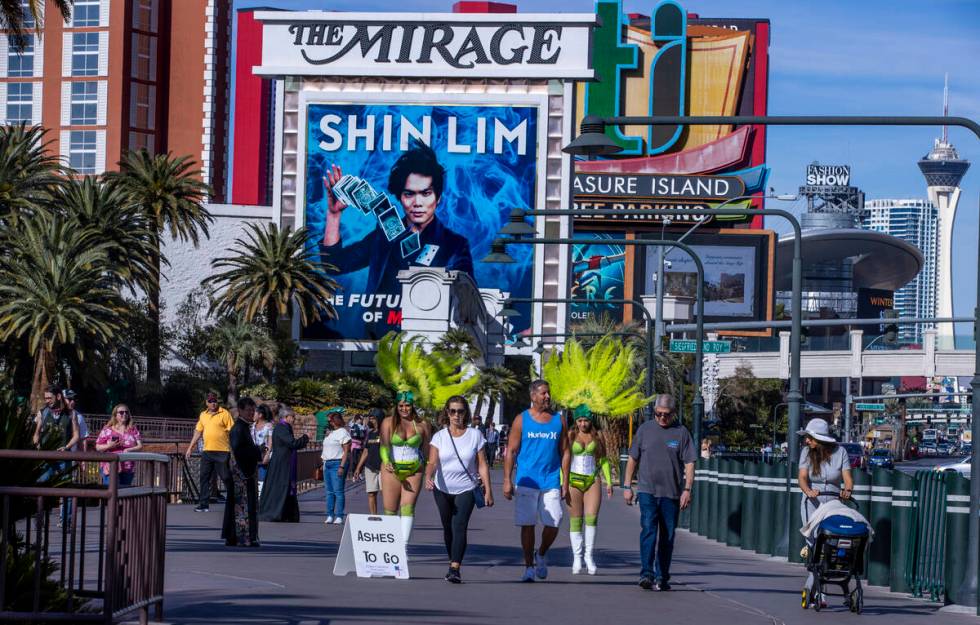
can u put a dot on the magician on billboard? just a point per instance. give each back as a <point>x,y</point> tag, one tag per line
<point>420,238</point>
<point>390,186</point>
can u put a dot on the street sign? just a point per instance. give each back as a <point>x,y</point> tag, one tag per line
<point>870,407</point>
<point>679,346</point>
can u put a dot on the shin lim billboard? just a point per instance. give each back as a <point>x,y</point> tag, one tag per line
<point>396,184</point>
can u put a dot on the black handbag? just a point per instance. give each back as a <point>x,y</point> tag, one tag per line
<point>478,497</point>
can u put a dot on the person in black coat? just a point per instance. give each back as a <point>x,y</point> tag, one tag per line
<point>279,501</point>
<point>241,521</point>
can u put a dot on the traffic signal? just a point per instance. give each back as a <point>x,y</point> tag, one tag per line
<point>890,337</point>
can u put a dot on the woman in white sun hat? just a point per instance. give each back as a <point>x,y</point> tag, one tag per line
<point>823,466</point>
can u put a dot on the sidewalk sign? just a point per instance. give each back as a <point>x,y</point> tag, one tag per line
<point>372,546</point>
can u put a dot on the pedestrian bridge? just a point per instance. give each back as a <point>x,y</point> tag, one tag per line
<point>927,360</point>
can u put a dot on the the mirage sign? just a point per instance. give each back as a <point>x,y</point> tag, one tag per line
<point>421,45</point>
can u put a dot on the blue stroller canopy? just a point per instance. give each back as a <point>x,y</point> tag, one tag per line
<point>843,526</point>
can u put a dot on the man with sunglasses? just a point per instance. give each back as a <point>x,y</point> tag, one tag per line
<point>214,425</point>
<point>662,456</point>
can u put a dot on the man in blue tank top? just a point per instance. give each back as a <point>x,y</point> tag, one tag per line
<point>539,445</point>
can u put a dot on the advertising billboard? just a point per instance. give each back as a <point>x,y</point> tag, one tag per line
<point>392,185</point>
<point>738,274</point>
<point>598,275</point>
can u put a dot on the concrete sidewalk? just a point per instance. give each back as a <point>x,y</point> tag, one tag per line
<point>290,580</point>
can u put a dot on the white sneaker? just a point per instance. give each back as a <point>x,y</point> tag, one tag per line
<point>541,566</point>
<point>528,574</point>
<point>328,520</point>
<point>338,520</point>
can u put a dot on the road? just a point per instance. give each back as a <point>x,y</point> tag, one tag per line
<point>289,580</point>
<point>911,466</point>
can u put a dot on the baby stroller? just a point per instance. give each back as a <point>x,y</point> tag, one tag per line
<point>836,556</point>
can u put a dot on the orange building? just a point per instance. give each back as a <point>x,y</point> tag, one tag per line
<point>124,75</point>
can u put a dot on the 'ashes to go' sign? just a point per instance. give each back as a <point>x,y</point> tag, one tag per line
<point>437,45</point>
<point>372,546</point>
<point>680,346</point>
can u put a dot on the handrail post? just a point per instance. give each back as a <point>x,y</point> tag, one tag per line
<point>112,515</point>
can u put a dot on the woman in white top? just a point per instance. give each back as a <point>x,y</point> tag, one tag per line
<point>455,461</point>
<point>336,451</point>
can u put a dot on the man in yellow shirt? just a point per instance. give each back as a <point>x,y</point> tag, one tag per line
<point>214,424</point>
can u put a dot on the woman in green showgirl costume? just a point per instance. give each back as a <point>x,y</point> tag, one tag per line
<point>422,381</point>
<point>404,443</point>
<point>588,461</point>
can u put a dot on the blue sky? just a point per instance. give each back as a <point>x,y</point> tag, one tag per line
<point>873,57</point>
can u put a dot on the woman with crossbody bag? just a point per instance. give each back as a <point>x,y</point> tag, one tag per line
<point>459,478</point>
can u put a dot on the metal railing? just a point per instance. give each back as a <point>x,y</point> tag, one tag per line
<point>920,520</point>
<point>104,557</point>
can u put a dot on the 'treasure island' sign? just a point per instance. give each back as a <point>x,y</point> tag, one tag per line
<point>442,45</point>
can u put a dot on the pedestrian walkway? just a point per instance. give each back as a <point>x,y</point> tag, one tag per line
<point>290,579</point>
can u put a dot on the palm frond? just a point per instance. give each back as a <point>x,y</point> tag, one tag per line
<point>272,268</point>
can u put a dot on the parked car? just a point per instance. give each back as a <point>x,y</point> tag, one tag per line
<point>927,448</point>
<point>960,466</point>
<point>882,458</point>
<point>855,453</point>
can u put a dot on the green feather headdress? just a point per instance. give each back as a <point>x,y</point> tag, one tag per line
<point>431,378</point>
<point>602,378</point>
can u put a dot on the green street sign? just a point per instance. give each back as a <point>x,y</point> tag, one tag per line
<point>680,346</point>
<point>870,407</point>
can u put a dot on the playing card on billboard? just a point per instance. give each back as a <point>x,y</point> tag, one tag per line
<point>431,184</point>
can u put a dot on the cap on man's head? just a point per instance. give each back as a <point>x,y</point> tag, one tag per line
<point>212,396</point>
<point>69,394</point>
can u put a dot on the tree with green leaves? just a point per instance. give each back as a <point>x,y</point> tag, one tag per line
<point>238,344</point>
<point>16,17</point>
<point>169,192</point>
<point>269,270</point>
<point>462,342</point>
<point>57,289</point>
<point>103,206</point>
<point>495,383</point>
<point>745,408</point>
<point>29,173</point>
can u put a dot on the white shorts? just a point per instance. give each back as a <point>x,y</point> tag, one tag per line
<point>533,505</point>
<point>372,480</point>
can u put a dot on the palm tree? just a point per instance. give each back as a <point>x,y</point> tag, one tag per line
<point>238,344</point>
<point>270,269</point>
<point>29,172</point>
<point>170,194</point>
<point>103,206</point>
<point>495,383</point>
<point>12,16</point>
<point>462,342</point>
<point>56,288</point>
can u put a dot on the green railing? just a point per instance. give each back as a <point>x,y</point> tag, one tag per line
<point>920,521</point>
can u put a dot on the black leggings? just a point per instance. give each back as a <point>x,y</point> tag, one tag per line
<point>454,512</point>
